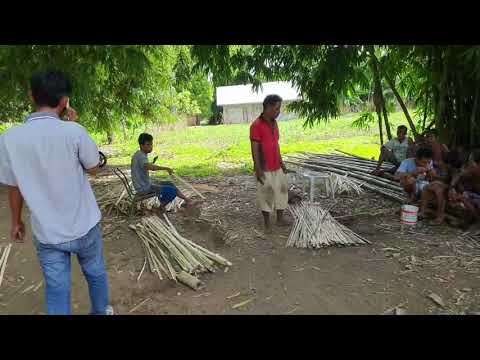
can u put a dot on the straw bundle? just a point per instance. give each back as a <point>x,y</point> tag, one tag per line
<point>314,227</point>
<point>171,256</point>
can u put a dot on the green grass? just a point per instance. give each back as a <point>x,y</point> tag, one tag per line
<point>225,149</point>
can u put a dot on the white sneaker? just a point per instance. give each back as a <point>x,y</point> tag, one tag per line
<point>109,310</point>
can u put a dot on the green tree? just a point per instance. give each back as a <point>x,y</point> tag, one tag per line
<point>112,84</point>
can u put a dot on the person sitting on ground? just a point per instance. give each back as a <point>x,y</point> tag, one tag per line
<point>439,151</point>
<point>438,190</point>
<point>419,142</point>
<point>414,174</point>
<point>166,191</point>
<point>465,188</point>
<point>394,151</point>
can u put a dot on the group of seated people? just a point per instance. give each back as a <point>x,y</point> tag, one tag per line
<point>428,171</point>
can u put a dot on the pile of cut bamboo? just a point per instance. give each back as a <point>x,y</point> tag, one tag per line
<point>3,260</point>
<point>315,228</point>
<point>171,256</point>
<point>115,201</point>
<point>341,184</point>
<point>356,168</point>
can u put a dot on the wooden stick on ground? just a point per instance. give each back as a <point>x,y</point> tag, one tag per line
<point>184,182</point>
<point>3,262</point>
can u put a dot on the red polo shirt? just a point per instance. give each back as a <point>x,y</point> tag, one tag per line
<point>267,136</point>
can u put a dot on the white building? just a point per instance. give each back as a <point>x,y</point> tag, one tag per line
<point>241,104</point>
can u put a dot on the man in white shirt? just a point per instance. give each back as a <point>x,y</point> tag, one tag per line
<point>45,163</point>
<point>394,151</point>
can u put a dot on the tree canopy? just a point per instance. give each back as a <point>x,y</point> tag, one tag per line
<point>112,83</point>
<point>119,85</point>
<point>442,81</point>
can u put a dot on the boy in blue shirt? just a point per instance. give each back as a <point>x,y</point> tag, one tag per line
<point>415,174</point>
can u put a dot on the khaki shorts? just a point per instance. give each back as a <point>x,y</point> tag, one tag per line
<point>273,194</point>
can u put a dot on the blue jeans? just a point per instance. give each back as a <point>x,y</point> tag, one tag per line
<point>166,192</point>
<point>56,264</point>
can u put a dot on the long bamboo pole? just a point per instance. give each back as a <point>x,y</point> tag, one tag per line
<point>3,262</point>
<point>184,182</point>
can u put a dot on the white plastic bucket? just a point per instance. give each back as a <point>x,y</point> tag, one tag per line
<point>409,215</point>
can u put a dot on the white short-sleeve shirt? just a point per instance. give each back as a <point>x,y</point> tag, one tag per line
<point>46,159</point>
<point>398,148</point>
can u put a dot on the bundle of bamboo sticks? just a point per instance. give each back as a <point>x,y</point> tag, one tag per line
<point>115,201</point>
<point>341,184</point>
<point>358,170</point>
<point>171,256</point>
<point>4,253</point>
<point>315,227</point>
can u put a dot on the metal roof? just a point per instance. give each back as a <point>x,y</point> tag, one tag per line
<point>244,94</point>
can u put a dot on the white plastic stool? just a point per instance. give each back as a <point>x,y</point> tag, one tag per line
<point>314,178</point>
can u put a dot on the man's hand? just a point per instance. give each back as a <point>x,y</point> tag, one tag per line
<point>260,176</point>
<point>72,114</point>
<point>454,196</point>
<point>286,171</point>
<point>170,171</point>
<point>420,171</point>
<point>18,232</point>
<point>431,175</point>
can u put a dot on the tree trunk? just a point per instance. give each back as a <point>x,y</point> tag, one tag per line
<point>124,130</point>
<point>427,92</point>
<point>378,99</point>
<point>379,114</point>
<point>110,138</point>
<point>402,104</point>
<point>425,113</point>
<point>395,92</point>
<point>472,119</point>
<point>439,120</point>
<point>385,113</point>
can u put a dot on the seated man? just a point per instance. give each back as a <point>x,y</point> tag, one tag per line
<point>438,190</point>
<point>166,191</point>
<point>414,174</point>
<point>418,143</point>
<point>394,151</point>
<point>465,188</point>
<point>439,151</point>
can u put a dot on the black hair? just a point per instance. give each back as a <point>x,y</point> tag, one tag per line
<point>48,87</point>
<point>475,156</point>
<point>424,153</point>
<point>454,159</point>
<point>433,132</point>
<point>402,127</point>
<point>144,138</point>
<point>271,100</point>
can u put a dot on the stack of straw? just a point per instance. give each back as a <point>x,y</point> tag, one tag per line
<point>170,255</point>
<point>315,227</point>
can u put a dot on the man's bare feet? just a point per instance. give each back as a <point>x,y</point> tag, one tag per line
<point>283,222</point>
<point>421,215</point>
<point>377,172</point>
<point>439,220</point>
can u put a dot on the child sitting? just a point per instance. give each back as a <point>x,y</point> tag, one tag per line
<point>414,174</point>
<point>166,191</point>
<point>438,190</point>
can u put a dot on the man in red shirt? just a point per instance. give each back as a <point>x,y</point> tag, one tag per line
<point>270,171</point>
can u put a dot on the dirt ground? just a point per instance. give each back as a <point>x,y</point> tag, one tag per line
<point>400,269</point>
